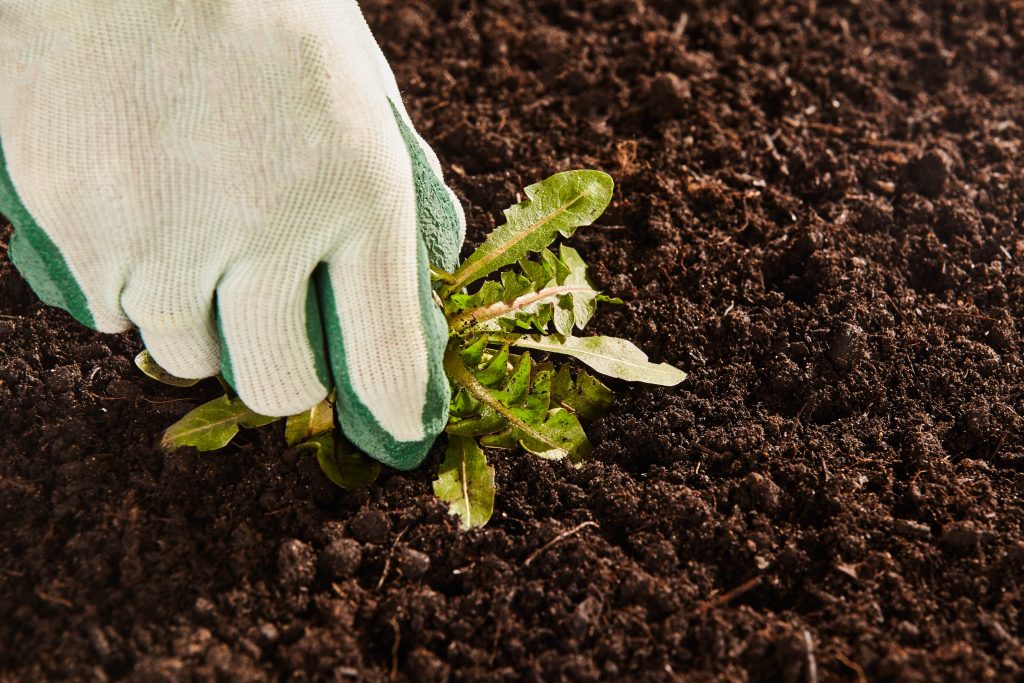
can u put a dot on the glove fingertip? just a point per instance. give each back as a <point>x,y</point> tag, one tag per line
<point>359,423</point>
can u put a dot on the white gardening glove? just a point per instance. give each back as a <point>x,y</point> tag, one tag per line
<point>186,166</point>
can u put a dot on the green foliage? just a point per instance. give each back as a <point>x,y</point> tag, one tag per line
<point>502,397</point>
<point>314,422</point>
<point>505,400</point>
<point>342,462</point>
<point>510,407</point>
<point>212,425</point>
<point>151,369</point>
<point>466,482</point>
<point>608,355</point>
<point>558,205</point>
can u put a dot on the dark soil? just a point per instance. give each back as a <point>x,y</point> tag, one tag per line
<point>818,217</point>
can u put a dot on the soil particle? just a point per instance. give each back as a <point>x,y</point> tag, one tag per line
<point>667,95</point>
<point>412,563</point>
<point>296,564</point>
<point>370,526</point>
<point>759,493</point>
<point>425,667</point>
<point>341,558</point>
<point>930,172</point>
<point>846,347</point>
<point>960,536</point>
<point>911,529</point>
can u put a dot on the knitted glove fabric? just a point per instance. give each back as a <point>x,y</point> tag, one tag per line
<point>239,180</point>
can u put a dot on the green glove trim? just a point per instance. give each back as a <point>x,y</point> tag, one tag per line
<point>438,220</point>
<point>315,332</point>
<point>226,371</point>
<point>37,258</point>
<point>438,226</point>
<point>356,420</point>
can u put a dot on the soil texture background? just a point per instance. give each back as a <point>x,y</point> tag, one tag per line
<point>818,216</point>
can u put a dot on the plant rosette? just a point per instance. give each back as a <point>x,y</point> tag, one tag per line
<point>513,306</point>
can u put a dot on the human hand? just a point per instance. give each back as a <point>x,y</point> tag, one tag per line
<point>225,176</point>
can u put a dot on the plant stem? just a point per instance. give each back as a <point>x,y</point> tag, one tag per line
<point>442,275</point>
<point>475,316</point>
<point>458,372</point>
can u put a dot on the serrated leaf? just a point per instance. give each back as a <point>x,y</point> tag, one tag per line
<point>212,425</point>
<point>563,315</point>
<point>608,355</point>
<point>564,436</point>
<point>466,482</point>
<point>507,439</point>
<point>342,462</point>
<point>586,395</point>
<point>538,400</point>
<point>473,354</point>
<point>495,370</point>
<point>556,268</point>
<point>463,404</point>
<point>584,301</point>
<point>557,205</point>
<point>150,368</point>
<point>517,386</point>
<point>487,421</point>
<point>306,425</point>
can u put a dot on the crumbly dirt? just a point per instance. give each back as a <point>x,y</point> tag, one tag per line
<point>818,216</point>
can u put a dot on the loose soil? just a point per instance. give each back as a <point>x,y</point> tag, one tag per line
<point>818,216</point>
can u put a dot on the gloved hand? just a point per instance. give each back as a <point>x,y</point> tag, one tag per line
<point>187,166</point>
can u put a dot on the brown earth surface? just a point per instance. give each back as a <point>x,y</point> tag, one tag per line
<point>818,216</point>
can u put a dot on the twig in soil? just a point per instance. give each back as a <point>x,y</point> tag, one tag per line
<point>394,648</point>
<point>557,539</point>
<point>387,562</point>
<point>680,27</point>
<point>731,595</point>
<point>54,599</point>
<point>854,666</point>
<point>812,662</point>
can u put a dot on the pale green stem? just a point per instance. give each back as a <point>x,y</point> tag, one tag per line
<point>474,316</point>
<point>442,275</point>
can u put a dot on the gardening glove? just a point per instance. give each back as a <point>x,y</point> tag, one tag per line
<point>239,180</point>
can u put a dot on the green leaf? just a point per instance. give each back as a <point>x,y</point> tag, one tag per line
<point>608,355</point>
<point>342,462</point>
<point>563,429</point>
<point>583,301</point>
<point>466,482</point>
<point>464,404</point>
<point>487,421</point>
<point>151,369</point>
<point>473,354</point>
<point>507,439</point>
<point>538,401</point>
<point>212,425</point>
<point>313,422</point>
<point>586,396</point>
<point>517,386</point>
<point>558,205</point>
<point>254,420</point>
<point>495,370</point>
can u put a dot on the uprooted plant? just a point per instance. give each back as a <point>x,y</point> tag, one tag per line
<point>532,300</point>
